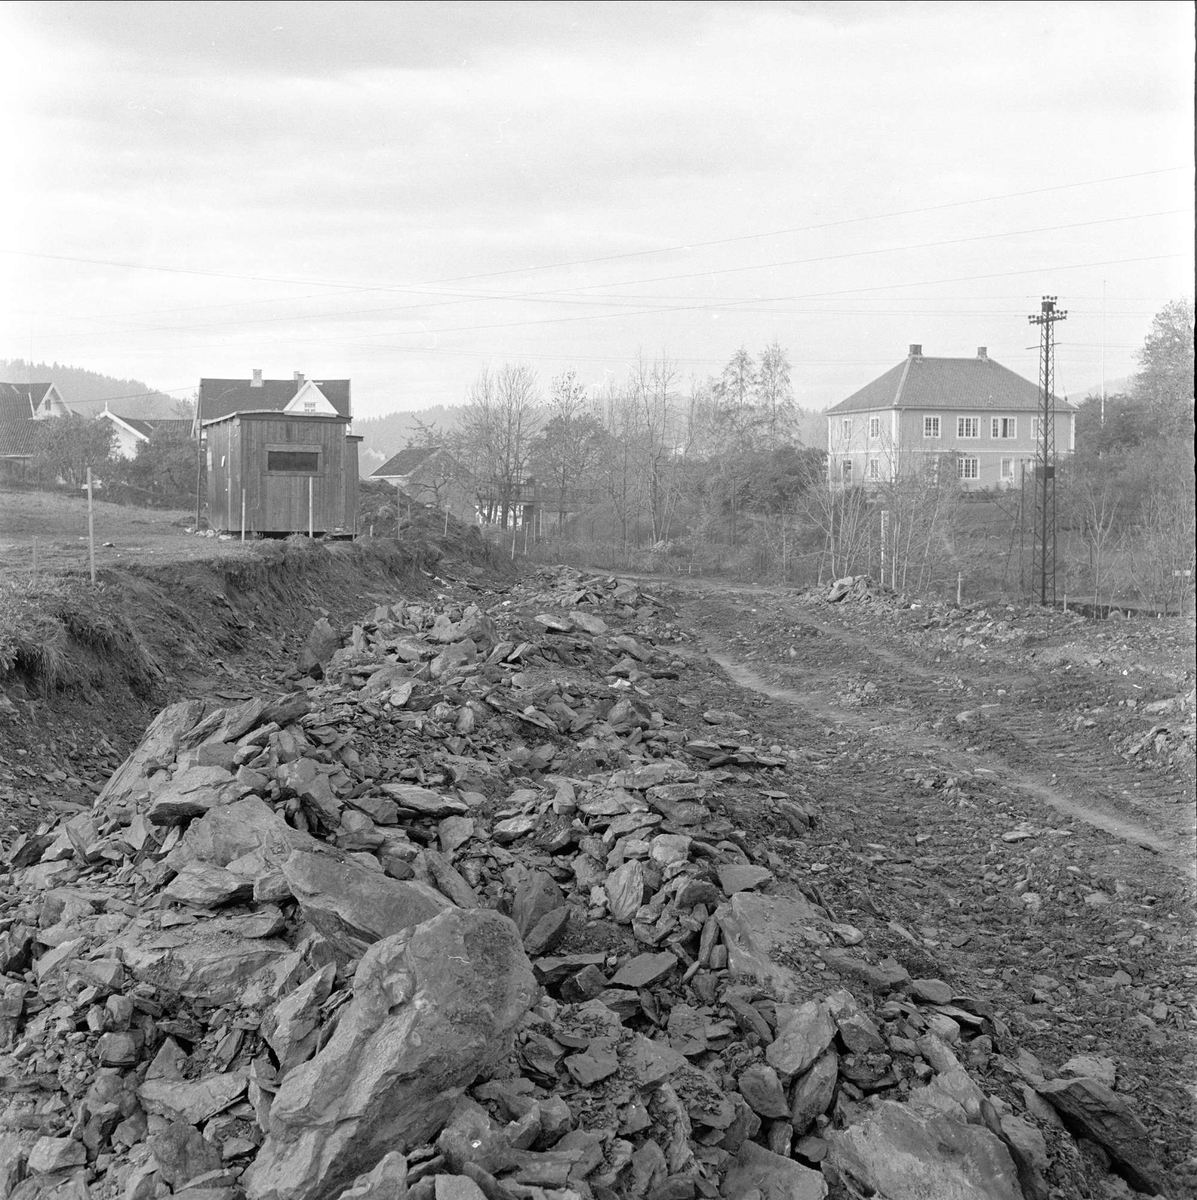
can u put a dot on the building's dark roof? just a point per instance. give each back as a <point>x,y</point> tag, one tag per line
<point>956,383</point>
<point>220,397</point>
<point>18,400</point>
<point>16,436</point>
<point>406,461</point>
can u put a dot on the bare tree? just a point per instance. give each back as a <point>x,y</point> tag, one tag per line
<point>498,431</point>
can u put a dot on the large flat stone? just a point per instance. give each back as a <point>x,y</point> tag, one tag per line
<point>774,1177</point>
<point>352,906</point>
<point>753,926</point>
<point>902,1155</point>
<point>433,1007</point>
<point>1090,1108</point>
<point>192,793</point>
<point>801,1040</point>
<point>156,750</point>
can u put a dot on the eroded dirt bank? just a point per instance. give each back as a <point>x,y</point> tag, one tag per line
<point>959,959</point>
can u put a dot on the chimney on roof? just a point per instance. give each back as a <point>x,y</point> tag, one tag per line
<point>982,352</point>
<point>299,377</point>
<point>257,379</point>
<point>916,350</point>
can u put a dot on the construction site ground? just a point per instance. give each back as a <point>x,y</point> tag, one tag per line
<point>1006,794</point>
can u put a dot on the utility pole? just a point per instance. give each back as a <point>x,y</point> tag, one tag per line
<point>1043,560</point>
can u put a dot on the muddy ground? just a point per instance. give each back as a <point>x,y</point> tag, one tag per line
<point>1006,794</point>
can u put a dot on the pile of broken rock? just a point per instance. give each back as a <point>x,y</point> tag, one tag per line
<point>385,937</point>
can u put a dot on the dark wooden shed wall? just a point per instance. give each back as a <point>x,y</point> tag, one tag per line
<point>278,501</point>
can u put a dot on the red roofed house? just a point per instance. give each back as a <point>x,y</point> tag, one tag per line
<point>280,456</point>
<point>972,410</point>
<point>431,475</point>
<point>21,405</point>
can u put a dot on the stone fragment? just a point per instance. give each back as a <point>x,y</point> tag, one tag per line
<point>423,801</point>
<point>182,1153</point>
<point>902,1155</point>
<point>448,880</point>
<point>887,976</point>
<point>760,1086</point>
<point>353,906</point>
<point>625,890</point>
<point>192,1101</point>
<point>813,1092</point>
<point>156,750</point>
<point>754,925</point>
<point>548,933</point>
<point>807,1033</point>
<point>1092,1066</point>
<point>741,877</point>
<point>318,648</point>
<point>433,1007</point>
<point>292,1027</point>
<point>55,1154</point>
<point>643,970</point>
<point>207,886</point>
<point>236,831</point>
<point>536,894</point>
<point>309,781</point>
<point>388,1180</point>
<point>771,1177</point>
<point>190,794</point>
<point>1093,1110</point>
<point>930,991</point>
<point>1028,1148</point>
<point>507,831</point>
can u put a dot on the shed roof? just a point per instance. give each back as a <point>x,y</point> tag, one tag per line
<point>958,383</point>
<point>406,461</point>
<point>220,397</point>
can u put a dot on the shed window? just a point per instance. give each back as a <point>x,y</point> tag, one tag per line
<point>294,462</point>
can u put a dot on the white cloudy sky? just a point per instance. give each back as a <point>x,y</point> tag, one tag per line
<point>402,193</point>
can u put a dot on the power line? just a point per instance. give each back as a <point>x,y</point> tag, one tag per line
<point>674,248</point>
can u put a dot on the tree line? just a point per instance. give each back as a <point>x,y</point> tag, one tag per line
<point>657,467</point>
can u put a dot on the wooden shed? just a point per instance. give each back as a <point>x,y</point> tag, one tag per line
<point>278,473</point>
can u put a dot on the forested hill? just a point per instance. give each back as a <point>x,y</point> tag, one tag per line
<point>386,436</point>
<point>86,392</point>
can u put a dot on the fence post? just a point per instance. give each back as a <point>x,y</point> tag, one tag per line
<point>311,515</point>
<point>243,513</point>
<point>959,587</point>
<point>91,530</point>
<point>35,558</point>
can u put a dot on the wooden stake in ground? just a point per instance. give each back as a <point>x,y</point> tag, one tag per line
<point>35,560</point>
<point>243,514</point>
<point>91,530</point>
<point>311,515</point>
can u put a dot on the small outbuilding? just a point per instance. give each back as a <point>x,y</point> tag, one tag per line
<point>280,473</point>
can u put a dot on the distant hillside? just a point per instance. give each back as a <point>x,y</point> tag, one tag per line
<point>1123,384</point>
<point>386,436</point>
<point>86,392</point>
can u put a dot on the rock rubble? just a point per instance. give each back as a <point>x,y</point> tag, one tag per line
<point>463,917</point>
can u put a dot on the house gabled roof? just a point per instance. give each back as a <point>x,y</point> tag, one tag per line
<point>145,427</point>
<point>409,459</point>
<point>222,397</point>
<point>16,436</point>
<point>18,400</point>
<point>947,383</point>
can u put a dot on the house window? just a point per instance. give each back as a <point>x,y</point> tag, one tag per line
<point>874,427</point>
<point>1004,427</point>
<point>873,470</point>
<point>846,471</point>
<point>968,427</point>
<point>846,427</point>
<point>293,462</point>
<point>930,427</point>
<point>1007,469</point>
<point>309,406</point>
<point>967,468</point>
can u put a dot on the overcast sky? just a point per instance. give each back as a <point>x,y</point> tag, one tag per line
<point>401,194</point>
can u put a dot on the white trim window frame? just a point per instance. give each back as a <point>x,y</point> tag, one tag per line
<point>874,427</point>
<point>1004,428</point>
<point>968,467</point>
<point>873,470</point>
<point>1007,470</point>
<point>930,426</point>
<point>846,428</point>
<point>968,428</point>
